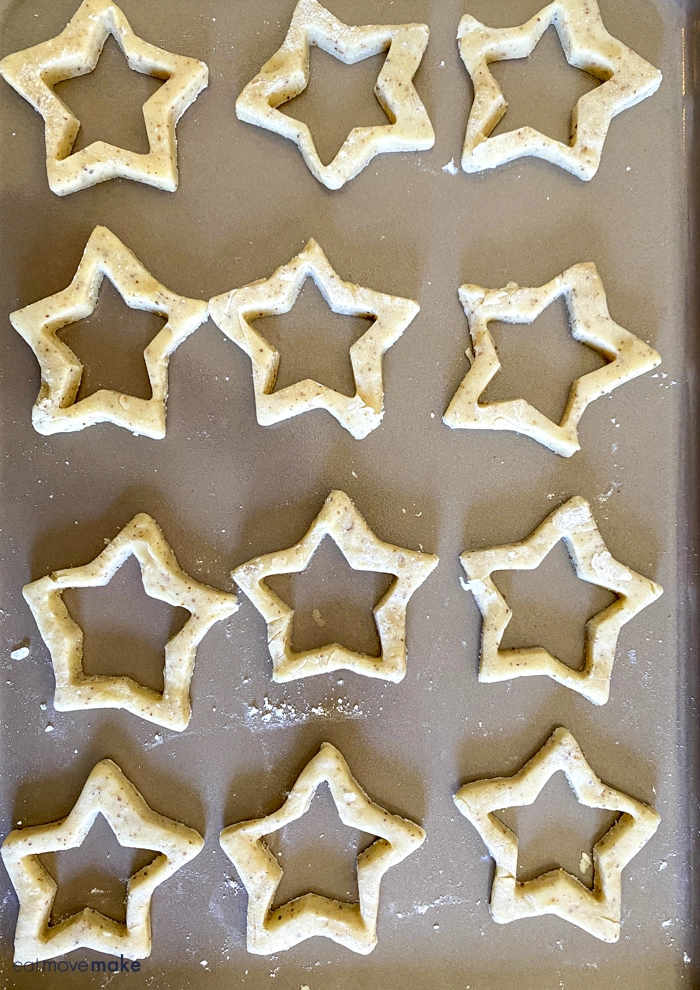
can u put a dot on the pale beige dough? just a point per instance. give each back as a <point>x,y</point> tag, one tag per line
<point>75,51</point>
<point>597,911</point>
<point>363,551</point>
<point>233,312</point>
<point>627,79</point>
<point>591,324</point>
<point>352,924</point>
<point>107,792</point>
<point>572,522</point>
<point>162,579</point>
<point>56,409</point>
<point>286,75</point>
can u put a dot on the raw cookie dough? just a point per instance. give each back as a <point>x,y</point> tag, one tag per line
<point>75,51</point>
<point>572,522</point>
<point>597,911</point>
<point>56,409</point>
<point>361,413</point>
<point>340,520</point>
<point>352,924</point>
<point>162,579</point>
<point>286,75</point>
<point>107,792</point>
<point>627,79</point>
<point>627,356</point>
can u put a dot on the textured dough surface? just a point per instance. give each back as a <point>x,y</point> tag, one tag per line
<point>286,75</point>
<point>572,522</point>
<point>56,409</point>
<point>75,51</point>
<point>107,792</point>
<point>352,924</point>
<point>234,311</point>
<point>626,79</point>
<point>597,911</point>
<point>591,324</point>
<point>162,579</point>
<point>363,551</point>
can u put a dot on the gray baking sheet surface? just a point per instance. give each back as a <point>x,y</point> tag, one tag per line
<point>225,489</point>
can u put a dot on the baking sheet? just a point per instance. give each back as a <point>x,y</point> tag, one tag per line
<point>225,489</point>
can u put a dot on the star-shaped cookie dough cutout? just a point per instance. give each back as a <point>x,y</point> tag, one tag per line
<point>591,324</point>
<point>56,409</point>
<point>135,825</point>
<point>75,51</point>
<point>597,911</point>
<point>286,75</point>
<point>361,413</point>
<point>626,79</point>
<point>363,551</point>
<point>352,924</point>
<point>572,522</point>
<point>162,579</point>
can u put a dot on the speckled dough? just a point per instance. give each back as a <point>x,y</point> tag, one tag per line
<point>162,579</point>
<point>597,911</point>
<point>627,79</point>
<point>107,792</point>
<point>360,413</point>
<point>74,52</point>
<point>572,522</point>
<point>286,75</point>
<point>56,409</point>
<point>591,324</point>
<point>363,551</point>
<point>352,924</point>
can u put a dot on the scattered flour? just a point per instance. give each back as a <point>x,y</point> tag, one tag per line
<point>20,654</point>
<point>451,167</point>
<point>424,908</point>
<point>285,713</point>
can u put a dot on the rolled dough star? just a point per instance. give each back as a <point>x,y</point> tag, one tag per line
<point>361,413</point>
<point>572,522</point>
<point>597,911</point>
<point>352,924</point>
<point>107,792</point>
<point>286,75</point>
<point>162,579</point>
<point>591,324</point>
<point>340,520</point>
<point>627,79</point>
<point>56,409</point>
<point>75,51</point>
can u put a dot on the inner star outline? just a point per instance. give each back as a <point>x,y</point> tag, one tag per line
<point>162,579</point>
<point>557,892</point>
<point>572,522</point>
<point>351,924</point>
<point>363,551</point>
<point>34,72</point>
<point>626,77</point>
<point>286,75</point>
<point>135,825</point>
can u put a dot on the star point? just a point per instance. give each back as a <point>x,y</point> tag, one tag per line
<point>351,924</point>
<point>162,579</point>
<point>597,911</point>
<point>34,72</point>
<point>108,792</point>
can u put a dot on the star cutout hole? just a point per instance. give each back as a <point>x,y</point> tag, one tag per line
<point>313,341</point>
<point>125,630</point>
<point>539,361</point>
<point>332,602</point>
<point>556,832</point>
<point>109,101</point>
<point>541,89</point>
<point>551,607</point>
<point>318,853</point>
<point>110,344</point>
<point>95,875</point>
<point>338,98</point>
